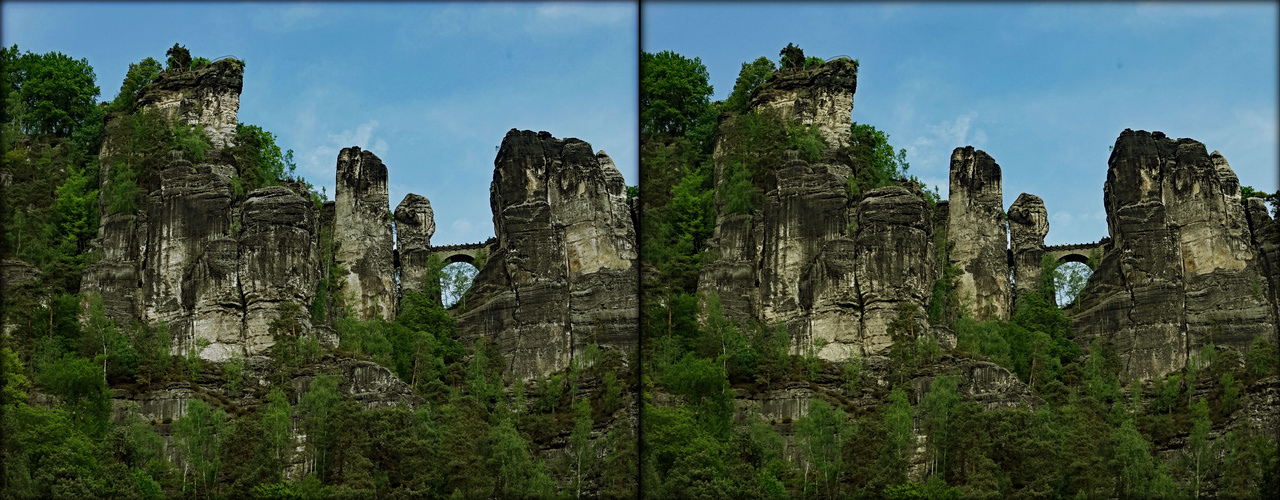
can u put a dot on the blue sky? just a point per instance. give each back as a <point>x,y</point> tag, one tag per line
<point>1044,88</point>
<point>431,88</point>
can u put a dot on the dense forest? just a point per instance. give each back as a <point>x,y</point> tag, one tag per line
<point>1096,434</point>
<point>69,371</point>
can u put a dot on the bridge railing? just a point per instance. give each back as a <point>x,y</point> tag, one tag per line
<point>1078,246</point>
<point>464,246</point>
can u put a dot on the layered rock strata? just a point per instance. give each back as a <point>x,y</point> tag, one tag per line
<point>1183,269</point>
<point>1028,225</point>
<point>216,267</point>
<point>209,97</point>
<point>977,232</point>
<point>415,224</point>
<point>836,269</point>
<point>564,273</point>
<point>362,231</point>
<point>821,96</point>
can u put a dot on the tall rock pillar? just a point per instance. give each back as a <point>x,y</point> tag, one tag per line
<point>565,271</point>
<point>415,224</point>
<point>1028,224</point>
<point>362,230</point>
<point>977,229</point>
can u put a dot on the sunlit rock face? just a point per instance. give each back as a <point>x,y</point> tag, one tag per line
<point>209,97</point>
<point>1028,225</point>
<point>213,265</point>
<point>564,272</point>
<point>362,231</point>
<point>415,224</point>
<point>821,96</point>
<point>1185,268</point>
<point>978,232</point>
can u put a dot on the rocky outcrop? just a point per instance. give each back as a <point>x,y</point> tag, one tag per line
<point>1183,268</point>
<point>215,266</point>
<point>832,266</point>
<point>854,287</point>
<point>278,261</point>
<point>821,96</point>
<point>977,232</point>
<point>1028,224</point>
<point>415,224</point>
<point>15,273</point>
<point>362,231</point>
<point>564,273</point>
<point>209,97</point>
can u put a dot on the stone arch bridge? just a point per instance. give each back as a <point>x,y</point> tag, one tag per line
<point>465,252</point>
<point>1078,252</point>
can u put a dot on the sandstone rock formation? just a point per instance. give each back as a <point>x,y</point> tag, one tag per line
<point>214,266</point>
<point>977,231</point>
<point>564,274</point>
<point>1028,224</point>
<point>415,223</point>
<point>1183,268</point>
<point>208,96</point>
<point>821,96</point>
<point>362,230</point>
<point>831,266</point>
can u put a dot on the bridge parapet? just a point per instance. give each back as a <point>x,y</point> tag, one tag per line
<point>1077,252</point>
<point>463,252</point>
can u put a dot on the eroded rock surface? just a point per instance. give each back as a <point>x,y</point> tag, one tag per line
<point>821,96</point>
<point>1183,269</point>
<point>1028,224</point>
<point>415,224</point>
<point>209,97</point>
<point>362,230</point>
<point>977,231</point>
<point>564,273</point>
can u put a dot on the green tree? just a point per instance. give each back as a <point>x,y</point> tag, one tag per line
<point>317,407</point>
<point>260,160</point>
<point>518,472</point>
<point>54,93</point>
<point>1198,443</point>
<point>140,75</point>
<point>792,57</point>
<point>751,76</point>
<point>276,421</point>
<point>939,406</point>
<point>821,434</point>
<point>673,92</point>
<point>179,57</point>
<point>875,162</point>
<point>580,441</point>
<point>198,436</point>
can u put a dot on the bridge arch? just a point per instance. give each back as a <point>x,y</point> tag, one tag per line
<point>1073,257</point>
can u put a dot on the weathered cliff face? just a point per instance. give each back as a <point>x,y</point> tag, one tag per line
<point>977,231</point>
<point>214,266</point>
<point>362,231</point>
<point>564,273</point>
<point>1028,224</point>
<point>821,96</point>
<point>830,266</point>
<point>415,223</point>
<point>209,97</point>
<point>1183,269</point>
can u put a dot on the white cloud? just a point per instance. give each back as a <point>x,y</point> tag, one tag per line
<point>933,151</point>
<point>289,18</point>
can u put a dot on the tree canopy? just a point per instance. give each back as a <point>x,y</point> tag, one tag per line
<point>47,93</point>
<point>674,91</point>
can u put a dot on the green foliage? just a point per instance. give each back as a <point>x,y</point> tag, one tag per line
<point>806,140</point>
<point>792,57</point>
<point>1230,393</point>
<point>875,162</point>
<point>47,93</point>
<point>1261,360</point>
<point>192,141</point>
<point>200,62</point>
<point>750,77</point>
<point>259,159</point>
<point>179,57</point>
<point>820,435</point>
<point>673,92</point>
<point>198,436</point>
<point>140,75</point>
